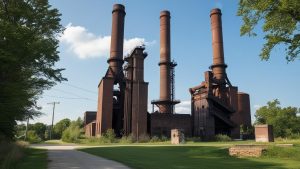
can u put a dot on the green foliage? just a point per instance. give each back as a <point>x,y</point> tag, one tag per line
<point>158,139</point>
<point>110,136</point>
<point>28,53</point>
<point>280,23</point>
<point>222,138</point>
<point>32,137</point>
<point>284,120</point>
<point>155,139</point>
<point>143,138</point>
<point>60,127</point>
<point>33,158</point>
<point>39,129</point>
<point>71,134</point>
<point>126,139</point>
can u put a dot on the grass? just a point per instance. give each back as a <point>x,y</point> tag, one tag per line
<point>206,155</point>
<point>17,155</point>
<point>54,142</point>
<point>33,159</point>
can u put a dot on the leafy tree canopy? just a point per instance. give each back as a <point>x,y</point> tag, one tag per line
<point>28,53</point>
<point>61,126</point>
<point>280,23</point>
<point>39,128</point>
<point>285,120</point>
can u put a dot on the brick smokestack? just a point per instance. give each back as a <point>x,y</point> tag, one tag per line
<point>165,64</point>
<point>117,38</point>
<point>218,67</point>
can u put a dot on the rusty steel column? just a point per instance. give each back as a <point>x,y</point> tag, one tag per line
<point>218,67</point>
<point>165,53</point>
<point>117,38</point>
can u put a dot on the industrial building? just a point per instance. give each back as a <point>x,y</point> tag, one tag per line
<point>216,106</point>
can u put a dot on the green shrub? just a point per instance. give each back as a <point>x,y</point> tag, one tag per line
<point>144,138</point>
<point>155,139</point>
<point>164,138</point>
<point>92,140</point>
<point>32,137</point>
<point>126,139</point>
<point>110,136</point>
<point>295,136</point>
<point>71,134</point>
<point>222,138</point>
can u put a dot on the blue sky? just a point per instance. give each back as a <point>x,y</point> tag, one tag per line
<point>85,45</point>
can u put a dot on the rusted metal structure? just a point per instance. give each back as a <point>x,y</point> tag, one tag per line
<point>136,94</point>
<point>122,99</point>
<point>217,107</point>
<point>165,119</point>
<point>166,100</point>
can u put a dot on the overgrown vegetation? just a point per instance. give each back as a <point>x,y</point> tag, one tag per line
<point>109,137</point>
<point>28,53</point>
<point>280,22</point>
<point>18,155</point>
<point>73,132</point>
<point>222,138</point>
<point>39,132</point>
<point>285,121</point>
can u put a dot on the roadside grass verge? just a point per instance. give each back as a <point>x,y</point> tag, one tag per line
<point>187,157</point>
<point>17,155</point>
<point>33,159</point>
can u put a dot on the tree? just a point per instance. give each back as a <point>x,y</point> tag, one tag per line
<point>284,120</point>
<point>39,129</point>
<point>280,23</point>
<point>28,52</point>
<point>60,127</point>
<point>73,132</point>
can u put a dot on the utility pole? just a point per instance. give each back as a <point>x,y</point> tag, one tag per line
<point>26,129</point>
<point>53,103</point>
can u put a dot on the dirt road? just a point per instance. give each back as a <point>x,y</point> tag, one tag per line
<point>66,157</point>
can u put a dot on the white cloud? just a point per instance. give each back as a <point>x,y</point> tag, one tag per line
<point>85,44</point>
<point>184,107</point>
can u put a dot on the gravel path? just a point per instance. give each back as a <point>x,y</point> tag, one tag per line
<point>66,157</point>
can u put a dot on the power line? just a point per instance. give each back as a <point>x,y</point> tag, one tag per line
<point>89,91</point>
<point>70,93</point>
<point>70,98</point>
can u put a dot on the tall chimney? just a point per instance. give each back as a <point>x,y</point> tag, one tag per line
<point>117,38</point>
<point>165,64</point>
<point>218,67</point>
